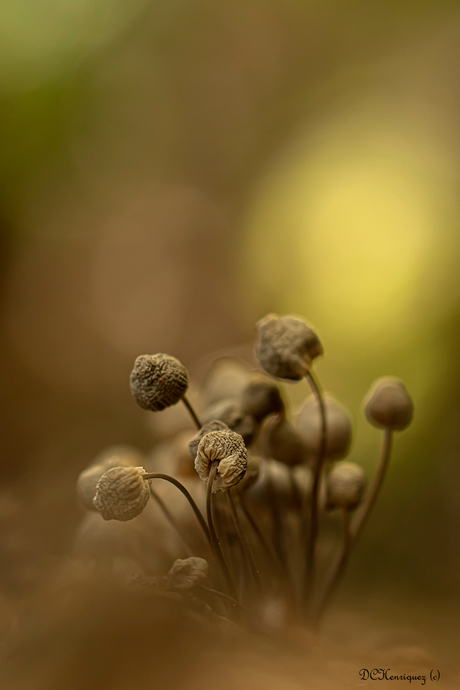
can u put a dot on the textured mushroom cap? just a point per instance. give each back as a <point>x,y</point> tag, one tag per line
<point>114,456</point>
<point>338,427</point>
<point>230,412</point>
<point>389,405</point>
<point>286,346</point>
<point>284,443</point>
<point>214,425</point>
<point>187,573</point>
<point>261,397</point>
<point>158,381</point>
<point>122,493</point>
<point>228,449</point>
<point>346,483</point>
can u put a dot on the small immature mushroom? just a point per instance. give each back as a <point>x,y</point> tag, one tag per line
<point>213,425</point>
<point>187,573</point>
<point>225,379</point>
<point>274,480</point>
<point>230,412</point>
<point>284,443</point>
<point>114,456</point>
<point>119,455</point>
<point>261,397</point>
<point>389,405</point>
<point>228,449</point>
<point>286,346</point>
<point>181,464</point>
<point>87,483</point>
<point>338,427</point>
<point>303,477</point>
<point>158,381</point>
<point>122,493</point>
<point>345,483</point>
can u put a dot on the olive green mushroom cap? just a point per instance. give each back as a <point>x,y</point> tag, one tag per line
<point>345,485</point>
<point>338,427</point>
<point>285,346</point>
<point>388,404</point>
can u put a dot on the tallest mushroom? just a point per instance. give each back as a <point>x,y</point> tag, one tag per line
<point>286,346</point>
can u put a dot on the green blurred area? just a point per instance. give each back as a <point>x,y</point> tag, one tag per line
<point>172,171</point>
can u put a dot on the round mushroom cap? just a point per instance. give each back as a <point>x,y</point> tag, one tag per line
<point>389,405</point>
<point>346,483</point>
<point>284,443</point>
<point>230,412</point>
<point>261,397</point>
<point>213,425</point>
<point>187,573</point>
<point>225,379</point>
<point>274,484</point>
<point>285,346</point>
<point>228,449</point>
<point>122,493</point>
<point>158,381</point>
<point>338,427</point>
<point>113,456</point>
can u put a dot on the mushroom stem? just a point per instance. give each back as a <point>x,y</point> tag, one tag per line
<point>192,412</point>
<point>167,513</point>
<point>354,528</point>
<point>181,487</point>
<point>212,530</point>
<point>249,556</point>
<point>222,595</point>
<point>259,534</point>
<point>313,526</point>
<point>336,571</point>
<point>362,514</point>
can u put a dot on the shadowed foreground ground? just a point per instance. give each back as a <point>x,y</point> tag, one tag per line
<point>89,633</point>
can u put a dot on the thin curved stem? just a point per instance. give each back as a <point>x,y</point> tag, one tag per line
<point>212,531</point>
<point>278,532</point>
<point>181,487</point>
<point>355,527</point>
<point>362,514</point>
<point>192,412</point>
<point>258,532</point>
<point>249,556</point>
<point>272,556</point>
<point>336,572</point>
<point>310,564</point>
<point>169,516</point>
<point>222,595</point>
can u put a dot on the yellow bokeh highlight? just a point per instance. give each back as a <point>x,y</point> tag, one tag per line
<point>356,228</point>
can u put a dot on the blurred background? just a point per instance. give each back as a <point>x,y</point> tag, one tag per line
<point>170,172</point>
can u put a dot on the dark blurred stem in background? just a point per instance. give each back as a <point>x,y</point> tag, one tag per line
<point>314,507</point>
<point>212,530</point>
<point>248,554</point>
<point>352,530</point>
